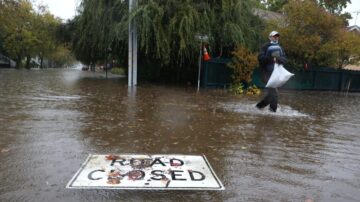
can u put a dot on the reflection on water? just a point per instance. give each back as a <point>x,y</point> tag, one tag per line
<point>52,119</point>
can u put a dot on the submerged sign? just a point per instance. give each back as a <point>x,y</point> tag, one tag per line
<point>165,172</point>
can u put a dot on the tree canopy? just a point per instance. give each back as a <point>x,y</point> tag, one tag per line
<point>315,36</point>
<point>333,6</point>
<point>167,30</point>
<point>26,33</point>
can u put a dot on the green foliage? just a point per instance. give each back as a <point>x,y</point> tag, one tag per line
<point>237,88</point>
<point>340,51</point>
<point>275,5</point>
<point>334,6</point>
<point>313,35</point>
<point>19,39</point>
<point>294,64</point>
<point>233,24</point>
<point>61,56</point>
<point>118,70</point>
<point>243,63</point>
<point>167,30</point>
<point>253,90</point>
<point>95,30</point>
<point>27,33</point>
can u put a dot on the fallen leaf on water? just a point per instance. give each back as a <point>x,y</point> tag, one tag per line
<point>114,174</point>
<point>191,128</point>
<point>112,157</point>
<point>113,181</point>
<point>5,150</point>
<point>243,148</point>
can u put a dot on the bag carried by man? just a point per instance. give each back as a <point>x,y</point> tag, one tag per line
<point>278,77</point>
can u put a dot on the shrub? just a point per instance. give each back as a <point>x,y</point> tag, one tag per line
<point>118,70</point>
<point>243,63</point>
<point>237,88</point>
<point>253,90</point>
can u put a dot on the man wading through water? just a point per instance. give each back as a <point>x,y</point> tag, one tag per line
<point>270,54</point>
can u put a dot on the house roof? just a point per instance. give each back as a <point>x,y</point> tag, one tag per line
<point>353,28</point>
<point>352,67</point>
<point>268,15</point>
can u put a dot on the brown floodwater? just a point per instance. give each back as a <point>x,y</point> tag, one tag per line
<point>51,120</point>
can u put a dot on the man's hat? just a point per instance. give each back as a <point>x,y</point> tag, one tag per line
<point>274,33</point>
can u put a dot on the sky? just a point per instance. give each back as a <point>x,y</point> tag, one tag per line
<point>354,7</point>
<point>66,9</point>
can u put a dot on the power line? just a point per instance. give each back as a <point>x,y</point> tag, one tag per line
<point>357,13</point>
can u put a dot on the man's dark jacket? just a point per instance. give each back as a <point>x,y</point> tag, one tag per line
<point>268,52</point>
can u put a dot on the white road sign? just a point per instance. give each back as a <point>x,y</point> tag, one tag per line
<point>160,172</point>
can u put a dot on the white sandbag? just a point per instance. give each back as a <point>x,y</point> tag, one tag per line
<point>278,77</point>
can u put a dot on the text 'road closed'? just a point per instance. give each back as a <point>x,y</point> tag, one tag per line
<point>127,171</point>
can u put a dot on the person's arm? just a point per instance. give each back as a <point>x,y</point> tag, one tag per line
<point>262,57</point>
<point>282,59</point>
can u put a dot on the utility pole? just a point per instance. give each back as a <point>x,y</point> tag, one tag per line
<point>357,13</point>
<point>133,46</point>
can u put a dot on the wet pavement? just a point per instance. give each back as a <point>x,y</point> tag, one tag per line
<point>51,120</point>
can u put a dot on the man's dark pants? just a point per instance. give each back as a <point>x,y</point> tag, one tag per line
<point>271,99</point>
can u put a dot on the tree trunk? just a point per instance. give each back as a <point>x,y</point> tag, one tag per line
<point>18,61</point>
<point>41,62</point>
<point>28,58</point>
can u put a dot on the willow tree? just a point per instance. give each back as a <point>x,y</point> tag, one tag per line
<point>170,27</point>
<point>167,29</point>
<point>95,29</point>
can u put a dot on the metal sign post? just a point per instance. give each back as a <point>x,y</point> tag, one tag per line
<point>132,60</point>
<point>201,39</point>
<point>199,70</point>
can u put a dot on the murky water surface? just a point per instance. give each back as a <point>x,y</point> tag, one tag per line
<point>50,120</point>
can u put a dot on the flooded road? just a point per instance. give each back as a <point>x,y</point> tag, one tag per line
<point>50,120</point>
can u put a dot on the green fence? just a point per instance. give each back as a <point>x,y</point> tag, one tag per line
<point>217,74</point>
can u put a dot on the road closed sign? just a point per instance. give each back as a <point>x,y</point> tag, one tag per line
<point>162,172</point>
